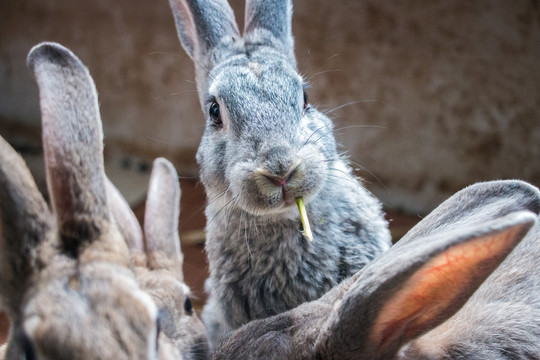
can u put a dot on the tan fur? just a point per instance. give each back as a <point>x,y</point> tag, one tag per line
<point>71,287</point>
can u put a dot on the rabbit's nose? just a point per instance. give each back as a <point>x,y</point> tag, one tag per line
<point>281,180</point>
<point>276,180</point>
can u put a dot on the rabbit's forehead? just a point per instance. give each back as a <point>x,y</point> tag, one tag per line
<point>255,78</point>
<point>96,286</point>
<point>82,297</point>
<point>69,311</point>
<point>165,289</point>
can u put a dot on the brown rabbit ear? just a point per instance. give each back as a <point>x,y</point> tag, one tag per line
<point>161,218</point>
<point>25,221</point>
<point>126,221</point>
<point>73,143</point>
<point>413,289</point>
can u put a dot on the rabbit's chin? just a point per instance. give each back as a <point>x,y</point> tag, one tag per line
<point>285,208</point>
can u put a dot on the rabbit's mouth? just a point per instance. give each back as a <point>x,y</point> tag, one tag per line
<point>272,187</point>
<point>263,195</point>
<point>288,204</point>
<point>283,209</point>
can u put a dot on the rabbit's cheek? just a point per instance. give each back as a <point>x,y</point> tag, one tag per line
<point>314,171</point>
<point>212,161</point>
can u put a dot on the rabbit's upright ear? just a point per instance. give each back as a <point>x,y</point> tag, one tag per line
<point>204,26</point>
<point>72,142</point>
<point>161,219</point>
<point>126,221</point>
<point>412,289</point>
<point>25,221</point>
<point>270,17</point>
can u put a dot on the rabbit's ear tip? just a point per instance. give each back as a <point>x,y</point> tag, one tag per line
<point>164,163</point>
<point>160,160</point>
<point>50,52</point>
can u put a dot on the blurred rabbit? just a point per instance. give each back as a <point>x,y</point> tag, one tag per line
<point>265,146</point>
<point>452,288</point>
<point>157,260</point>
<point>64,277</point>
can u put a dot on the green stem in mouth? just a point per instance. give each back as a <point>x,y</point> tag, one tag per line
<point>303,216</point>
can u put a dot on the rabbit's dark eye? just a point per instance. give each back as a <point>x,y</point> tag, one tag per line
<point>188,306</point>
<point>158,329</point>
<point>306,103</point>
<point>28,348</point>
<point>215,114</point>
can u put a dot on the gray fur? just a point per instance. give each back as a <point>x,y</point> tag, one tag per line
<point>485,307</point>
<point>260,264</point>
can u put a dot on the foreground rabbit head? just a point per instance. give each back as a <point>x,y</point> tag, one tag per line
<point>464,283</point>
<point>67,277</point>
<point>157,261</point>
<point>64,276</point>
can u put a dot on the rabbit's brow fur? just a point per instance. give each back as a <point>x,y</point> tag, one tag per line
<point>83,281</point>
<point>462,284</point>
<point>260,263</point>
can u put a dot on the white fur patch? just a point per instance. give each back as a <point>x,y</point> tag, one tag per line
<point>255,67</point>
<point>31,324</point>
<point>152,312</point>
<point>186,289</point>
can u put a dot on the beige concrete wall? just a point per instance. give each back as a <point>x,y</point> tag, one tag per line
<point>449,90</point>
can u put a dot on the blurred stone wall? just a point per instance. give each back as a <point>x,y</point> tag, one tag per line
<point>435,95</point>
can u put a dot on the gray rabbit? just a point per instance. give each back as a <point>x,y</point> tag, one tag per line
<point>69,283</point>
<point>463,284</point>
<point>264,147</point>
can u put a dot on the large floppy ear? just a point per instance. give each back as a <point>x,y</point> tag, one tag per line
<point>475,205</point>
<point>269,22</point>
<point>414,288</point>
<point>73,144</point>
<point>25,221</point>
<point>204,26</point>
<point>161,219</point>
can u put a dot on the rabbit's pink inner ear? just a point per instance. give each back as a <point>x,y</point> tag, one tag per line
<point>438,289</point>
<point>202,25</point>
<point>185,26</point>
<point>62,201</point>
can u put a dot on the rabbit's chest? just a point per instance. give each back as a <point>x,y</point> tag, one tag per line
<point>269,271</point>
